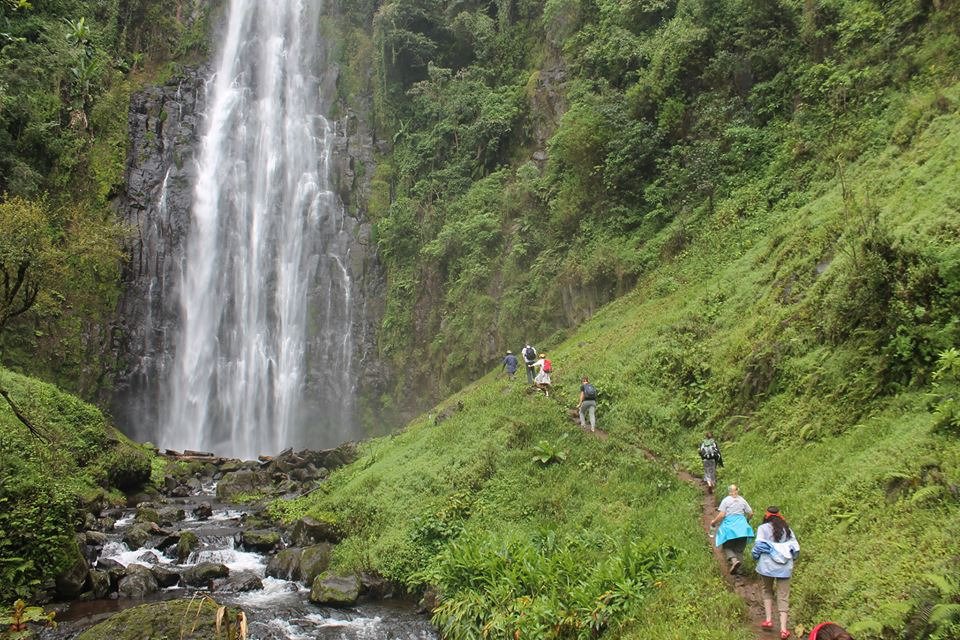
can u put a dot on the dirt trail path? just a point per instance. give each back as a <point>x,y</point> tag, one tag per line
<point>746,587</point>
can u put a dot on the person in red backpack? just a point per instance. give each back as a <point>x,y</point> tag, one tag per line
<point>542,381</point>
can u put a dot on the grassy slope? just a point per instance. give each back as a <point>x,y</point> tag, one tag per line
<point>43,485</point>
<point>849,463</point>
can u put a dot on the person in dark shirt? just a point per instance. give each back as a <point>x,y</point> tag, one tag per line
<point>588,404</point>
<point>510,364</point>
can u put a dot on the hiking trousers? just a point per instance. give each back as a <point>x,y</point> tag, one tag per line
<point>710,472</point>
<point>530,374</point>
<point>591,407</point>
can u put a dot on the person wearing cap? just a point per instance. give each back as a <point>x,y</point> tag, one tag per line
<point>510,364</point>
<point>529,358</point>
<point>542,381</point>
<point>775,550</point>
<point>735,531</point>
<point>829,631</point>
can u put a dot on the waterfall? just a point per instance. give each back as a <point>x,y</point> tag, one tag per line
<point>265,281</point>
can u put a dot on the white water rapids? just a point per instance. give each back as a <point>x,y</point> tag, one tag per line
<point>265,291</point>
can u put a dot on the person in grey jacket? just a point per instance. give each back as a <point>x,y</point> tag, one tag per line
<point>775,549</point>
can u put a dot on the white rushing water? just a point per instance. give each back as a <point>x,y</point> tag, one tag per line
<point>265,291</point>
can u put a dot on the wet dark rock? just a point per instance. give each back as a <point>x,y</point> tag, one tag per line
<point>138,582</point>
<point>203,511</point>
<point>201,574</point>
<point>187,544</point>
<point>107,564</point>
<point>106,523</point>
<point>95,538</point>
<point>195,485</point>
<point>314,560</point>
<point>181,491</point>
<point>307,531</point>
<point>243,481</point>
<point>147,514</point>
<point>260,540</point>
<point>335,590</point>
<point>285,565</point>
<point>171,515</point>
<point>137,536</point>
<point>429,601</point>
<point>99,583</point>
<point>89,521</point>
<point>71,582</point>
<point>240,582</point>
<point>165,576</point>
<point>148,558</point>
<point>376,586</point>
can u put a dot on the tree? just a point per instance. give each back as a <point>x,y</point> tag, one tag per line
<point>26,253</point>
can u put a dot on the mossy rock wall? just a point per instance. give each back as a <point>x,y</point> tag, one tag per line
<point>174,620</point>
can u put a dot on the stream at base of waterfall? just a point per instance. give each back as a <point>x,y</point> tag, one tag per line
<point>195,540</point>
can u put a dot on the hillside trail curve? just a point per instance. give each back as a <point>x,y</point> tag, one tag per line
<point>746,587</point>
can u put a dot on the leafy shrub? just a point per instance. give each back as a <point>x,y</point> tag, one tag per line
<point>550,587</point>
<point>126,468</point>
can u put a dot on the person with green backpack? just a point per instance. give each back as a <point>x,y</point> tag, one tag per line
<point>710,455</point>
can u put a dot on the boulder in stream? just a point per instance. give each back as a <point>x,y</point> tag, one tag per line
<point>260,540</point>
<point>314,560</point>
<point>307,531</point>
<point>239,582</point>
<point>243,481</point>
<point>137,536</point>
<point>285,565</point>
<point>165,576</point>
<point>203,511</point>
<point>99,583</point>
<point>138,583</point>
<point>335,590</point>
<point>181,619</point>
<point>73,578</point>
<point>201,574</point>
<point>186,545</point>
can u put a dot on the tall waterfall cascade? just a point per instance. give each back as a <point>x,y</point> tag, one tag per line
<point>265,288</point>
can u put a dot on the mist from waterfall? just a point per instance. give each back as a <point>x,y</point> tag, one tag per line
<point>265,290</point>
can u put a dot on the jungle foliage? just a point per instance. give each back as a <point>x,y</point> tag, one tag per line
<point>539,149</point>
<point>47,476</point>
<point>67,69</point>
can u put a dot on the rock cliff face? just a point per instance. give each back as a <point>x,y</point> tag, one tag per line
<point>166,125</point>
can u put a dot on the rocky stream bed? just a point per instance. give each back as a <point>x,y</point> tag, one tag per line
<point>195,544</point>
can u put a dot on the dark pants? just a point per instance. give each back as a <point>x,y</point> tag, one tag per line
<point>733,549</point>
<point>529,374</point>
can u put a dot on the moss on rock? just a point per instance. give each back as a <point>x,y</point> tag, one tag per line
<point>173,620</point>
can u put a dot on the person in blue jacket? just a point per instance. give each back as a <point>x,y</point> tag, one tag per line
<point>735,531</point>
<point>510,364</point>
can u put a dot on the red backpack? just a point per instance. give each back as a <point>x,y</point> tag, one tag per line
<point>547,366</point>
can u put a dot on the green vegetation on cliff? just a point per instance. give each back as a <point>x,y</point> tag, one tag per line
<point>814,329</point>
<point>541,149</point>
<point>47,478</point>
<point>67,70</point>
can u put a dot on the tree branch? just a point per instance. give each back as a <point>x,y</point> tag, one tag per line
<point>22,418</point>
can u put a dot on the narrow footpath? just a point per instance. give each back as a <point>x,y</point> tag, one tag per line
<point>746,587</point>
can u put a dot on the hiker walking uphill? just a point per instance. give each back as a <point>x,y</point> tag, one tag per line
<point>775,550</point>
<point>735,530</point>
<point>588,403</point>
<point>542,380</point>
<point>710,454</point>
<point>510,364</point>
<point>529,358</point>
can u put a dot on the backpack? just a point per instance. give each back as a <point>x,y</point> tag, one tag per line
<point>529,354</point>
<point>547,366</point>
<point>589,392</point>
<point>709,450</point>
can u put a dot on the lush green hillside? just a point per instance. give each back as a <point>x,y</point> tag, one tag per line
<point>48,477</point>
<point>813,334</point>
<point>539,149</point>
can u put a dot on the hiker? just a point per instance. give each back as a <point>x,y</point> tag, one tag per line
<point>529,358</point>
<point>710,454</point>
<point>735,530</point>
<point>510,364</point>
<point>588,403</point>
<point>542,380</point>
<point>829,631</point>
<point>775,550</point>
